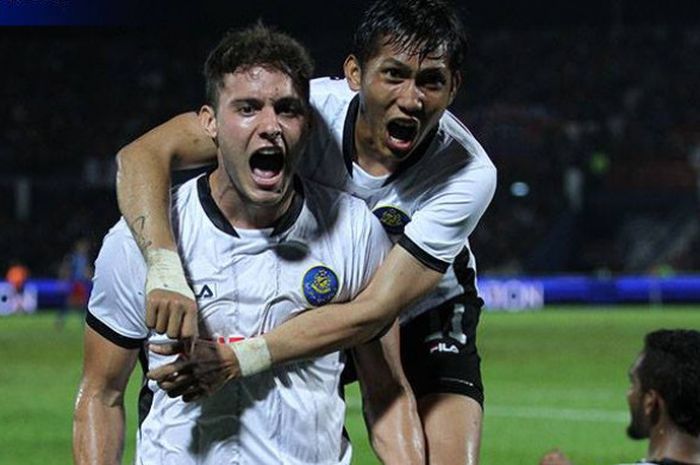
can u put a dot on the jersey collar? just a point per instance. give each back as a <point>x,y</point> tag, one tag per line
<point>217,217</point>
<point>350,152</point>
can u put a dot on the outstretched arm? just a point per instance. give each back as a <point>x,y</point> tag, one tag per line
<point>143,192</point>
<point>98,424</point>
<point>398,282</point>
<point>389,407</point>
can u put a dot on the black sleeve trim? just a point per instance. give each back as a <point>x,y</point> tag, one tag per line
<point>111,335</point>
<point>422,256</point>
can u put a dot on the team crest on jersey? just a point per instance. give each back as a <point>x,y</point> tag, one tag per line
<point>320,285</point>
<point>393,219</point>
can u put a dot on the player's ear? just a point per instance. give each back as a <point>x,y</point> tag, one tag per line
<point>651,401</point>
<point>456,82</point>
<point>207,118</point>
<point>353,72</point>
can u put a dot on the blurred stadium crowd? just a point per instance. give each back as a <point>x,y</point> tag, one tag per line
<point>596,135</point>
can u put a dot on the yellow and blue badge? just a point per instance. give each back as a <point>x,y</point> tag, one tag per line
<point>393,219</point>
<point>320,285</point>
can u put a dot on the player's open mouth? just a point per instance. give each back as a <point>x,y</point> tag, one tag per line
<point>402,134</point>
<point>267,166</point>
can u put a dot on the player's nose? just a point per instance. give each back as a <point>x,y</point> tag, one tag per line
<point>269,125</point>
<point>411,98</point>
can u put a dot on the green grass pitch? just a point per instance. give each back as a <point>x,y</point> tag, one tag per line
<point>553,378</point>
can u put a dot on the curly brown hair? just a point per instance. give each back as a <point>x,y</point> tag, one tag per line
<point>257,45</point>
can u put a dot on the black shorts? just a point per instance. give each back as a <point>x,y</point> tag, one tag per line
<point>438,350</point>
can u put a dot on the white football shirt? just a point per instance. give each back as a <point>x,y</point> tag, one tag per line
<point>429,206</point>
<point>325,249</point>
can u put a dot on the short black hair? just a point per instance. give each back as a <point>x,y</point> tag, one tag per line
<point>417,26</point>
<point>257,45</point>
<point>671,367</point>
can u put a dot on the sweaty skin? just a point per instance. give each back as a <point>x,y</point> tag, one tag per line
<point>395,87</point>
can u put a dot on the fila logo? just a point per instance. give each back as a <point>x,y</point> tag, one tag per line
<point>443,347</point>
<point>204,293</point>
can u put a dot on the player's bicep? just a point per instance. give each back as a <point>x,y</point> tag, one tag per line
<point>106,366</point>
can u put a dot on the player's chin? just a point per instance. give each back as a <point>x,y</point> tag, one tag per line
<point>399,149</point>
<point>269,193</point>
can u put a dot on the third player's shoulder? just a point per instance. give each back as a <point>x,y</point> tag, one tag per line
<point>328,94</point>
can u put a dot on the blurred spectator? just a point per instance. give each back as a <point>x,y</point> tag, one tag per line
<point>19,298</point>
<point>76,271</point>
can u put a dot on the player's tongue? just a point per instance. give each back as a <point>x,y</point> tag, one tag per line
<point>401,134</point>
<point>267,163</point>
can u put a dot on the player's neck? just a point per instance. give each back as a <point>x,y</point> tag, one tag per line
<point>368,153</point>
<point>240,211</point>
<point>669,442</point>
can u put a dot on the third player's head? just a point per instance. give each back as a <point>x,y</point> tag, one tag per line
<point>257,83</point>
<point>665,384</point>
<point>405,63</point>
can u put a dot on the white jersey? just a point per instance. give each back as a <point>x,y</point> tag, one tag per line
<point>429,206</point>
<point>325,249</point>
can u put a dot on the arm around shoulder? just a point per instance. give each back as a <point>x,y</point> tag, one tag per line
<point>143,192</point>
<point>143,176</point>
<point>398,282</point>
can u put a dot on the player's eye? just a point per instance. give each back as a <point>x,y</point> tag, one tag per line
<point>432,81</point>
<point>290,108</point>
<point>246,109</point>
<point>393,74</point>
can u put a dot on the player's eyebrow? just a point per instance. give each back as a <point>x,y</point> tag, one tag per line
<point>390,61</point>
<point>288,103</point>
<point>256,102</point>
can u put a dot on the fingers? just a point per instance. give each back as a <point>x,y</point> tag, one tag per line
<point>174,320</point>
<point>175,386</point>
<point>190,326</point>
<point>168,370</point>
<point>171,313</point>
<point>167,349</point>
<point>151,312</point>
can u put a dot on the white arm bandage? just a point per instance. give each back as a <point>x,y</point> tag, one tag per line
<point>253,355</point>
<point>165,272</point>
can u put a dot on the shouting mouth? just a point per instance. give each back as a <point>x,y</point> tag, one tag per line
<point>267,166</point>
<point>402,134</point>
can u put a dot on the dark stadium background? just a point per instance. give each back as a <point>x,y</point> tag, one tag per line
<point>599,96</point>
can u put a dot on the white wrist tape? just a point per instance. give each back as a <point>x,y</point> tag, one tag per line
<point>165,272</point>
<point>253,355</point>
